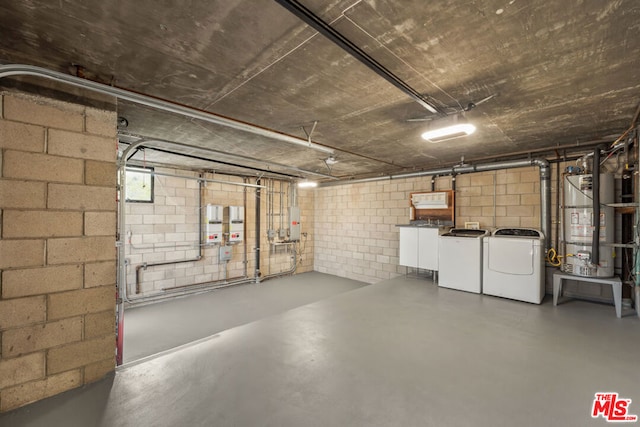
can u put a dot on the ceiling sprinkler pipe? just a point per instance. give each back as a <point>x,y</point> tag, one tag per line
<point>156,103</point>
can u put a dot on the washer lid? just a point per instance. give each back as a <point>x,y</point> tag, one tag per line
<point>466,232</point>
<point>518,232</point>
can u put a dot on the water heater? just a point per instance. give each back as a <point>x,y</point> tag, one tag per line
<point>579,225</point>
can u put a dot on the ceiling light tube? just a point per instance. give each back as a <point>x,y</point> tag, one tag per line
<point>307,184</point>
<point>449,132</point>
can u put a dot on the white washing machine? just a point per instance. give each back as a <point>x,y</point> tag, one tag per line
<point>460,259</point>
<point>513,264</point>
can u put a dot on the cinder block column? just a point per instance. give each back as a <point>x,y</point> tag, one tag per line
<point>57,247</point>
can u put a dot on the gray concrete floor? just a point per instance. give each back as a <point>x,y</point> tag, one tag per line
<point>151,329</point>
<point>401,352</point>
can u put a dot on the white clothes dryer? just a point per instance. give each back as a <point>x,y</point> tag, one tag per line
<point>513,265</point>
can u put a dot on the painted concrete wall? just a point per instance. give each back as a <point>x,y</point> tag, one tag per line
<point>57,251</point>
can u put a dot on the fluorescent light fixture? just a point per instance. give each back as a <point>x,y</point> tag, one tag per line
<point>307,184</point>
<point>449,132</point>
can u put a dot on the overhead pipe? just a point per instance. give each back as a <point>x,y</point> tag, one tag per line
<point>200,178</point>
<point>304,172</point>
<point>219,162</point>
<point>157,103</point>
<point>542,164</point>
<point>314,21</point>
<point>10,70</point>
<point>576,146</point>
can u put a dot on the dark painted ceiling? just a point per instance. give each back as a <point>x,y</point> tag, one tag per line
<point>562,72</point>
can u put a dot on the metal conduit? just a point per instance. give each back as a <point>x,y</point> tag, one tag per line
<point>291,270</point>
<point>595,181</point>
<point>314,21</point>
<point>257,248</point>
<point>156,103</point>
<point>191,178</point>
<point>191,288</point>
<point>237,156</point>
<point>545,183</point>
<point>145,265</point>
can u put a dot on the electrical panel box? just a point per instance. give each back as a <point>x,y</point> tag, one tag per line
<point>437,200</point>
<point>226,252</point>
<point>234,221</point>
<point>294,223</point>
<point>213,224</point>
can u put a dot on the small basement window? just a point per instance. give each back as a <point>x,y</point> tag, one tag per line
<point>139,186</point>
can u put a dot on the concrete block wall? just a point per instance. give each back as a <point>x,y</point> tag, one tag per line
<point>355,224</point>
<point>503,198</point>
<point>167,230</point>
<point>277,258</point>
<point>57,247</point>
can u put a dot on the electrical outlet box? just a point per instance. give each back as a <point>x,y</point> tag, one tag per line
<point>226,252</point>
<point>213,224</point>
<point>271,233</point>
<point>294,223</point>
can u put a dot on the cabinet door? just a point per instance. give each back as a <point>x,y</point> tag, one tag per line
<point>428,248</point>
<point>409,247</point>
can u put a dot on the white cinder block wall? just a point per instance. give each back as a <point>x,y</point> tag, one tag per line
<point>167,230</point>
<point>355,229</point>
